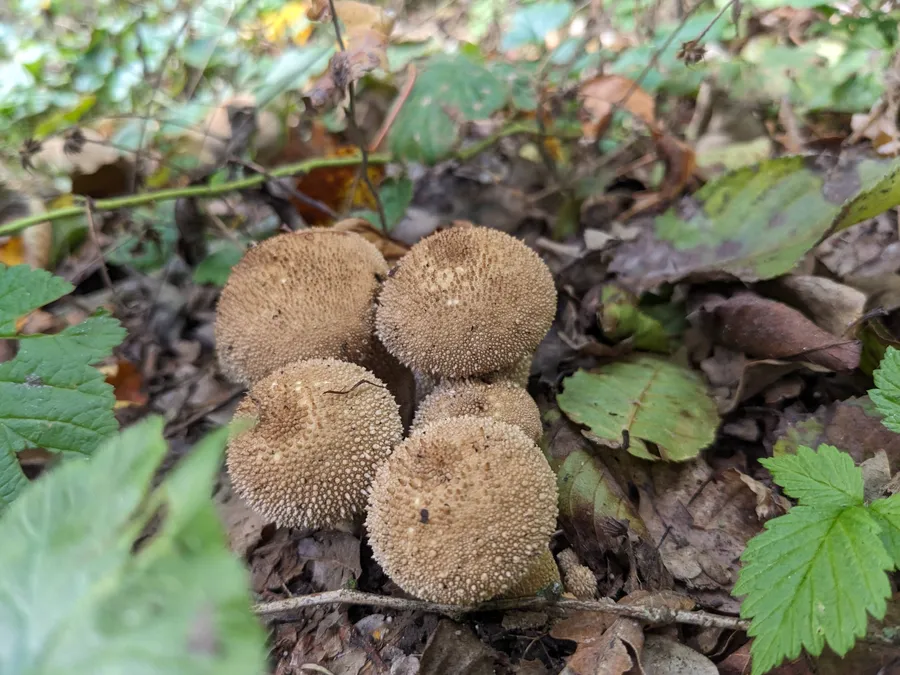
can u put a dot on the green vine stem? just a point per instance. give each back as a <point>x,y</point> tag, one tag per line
<point>192,191</point>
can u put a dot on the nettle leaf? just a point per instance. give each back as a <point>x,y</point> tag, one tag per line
<point>76,596</point>
<point>651,407</point>
<point>757,222</point>
<point>450,90</point>
<point>50,396</point>
<point>810,578</point>
<point>886,394</point>
<point>825,478</point>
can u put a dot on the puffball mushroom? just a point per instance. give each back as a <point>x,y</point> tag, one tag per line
<point>323,427</point>
<point>461,510</point>
<point>466,301</point>
<point>302,295</point>
<point>502,401</point>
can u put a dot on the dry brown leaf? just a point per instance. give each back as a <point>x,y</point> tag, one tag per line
<point>127,382</point>
<point>680,163</point>
<point>339,188</point>
<point>614,652</point>
<point>391,249</point>
<point>766,329</point>
<point>601,95</point>
<point>242,524</point>
<point>834,307</point>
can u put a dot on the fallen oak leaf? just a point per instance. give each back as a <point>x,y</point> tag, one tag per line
<point>767,329</point>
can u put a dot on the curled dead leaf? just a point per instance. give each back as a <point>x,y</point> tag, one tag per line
<point>391,249</point>
<point>766,329</point>
<point>339,188</point>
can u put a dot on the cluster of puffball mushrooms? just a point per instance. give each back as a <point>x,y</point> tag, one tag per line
<point>333,345</point>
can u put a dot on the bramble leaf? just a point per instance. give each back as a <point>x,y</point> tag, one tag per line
<point>50,396</point>
<point>77,596</point>
<point>886,394</point>
<point>810,578</point>
<point>825,478</point>
<point>887,513</point>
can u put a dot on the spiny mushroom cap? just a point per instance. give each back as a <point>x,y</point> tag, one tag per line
<point>502,401</point>
<point>323,428</point>
<point>579,579</point>
<point>466,301</point>
<point>542,574</point>
<point>518,373</point>
<point>461,510</point>
<point>297,296</point>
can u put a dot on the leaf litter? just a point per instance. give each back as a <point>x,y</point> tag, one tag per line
<point>700,328</point>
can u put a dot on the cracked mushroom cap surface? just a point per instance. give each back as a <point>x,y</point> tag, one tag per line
<point>461,510</point>
<point>322,428</point>
<point>502,401</point>
<point>466,301</point>
<point>302,295</point>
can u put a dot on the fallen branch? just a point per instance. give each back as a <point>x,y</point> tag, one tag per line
<point>287,609</point>
<point>202,191</point>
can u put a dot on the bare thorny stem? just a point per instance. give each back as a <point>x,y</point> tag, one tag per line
<point>354,129</point>
<point>291,607</point>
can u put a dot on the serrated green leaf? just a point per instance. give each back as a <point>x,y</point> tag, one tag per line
<point>887,513</point>
<point>886,394</point>
<point>51,398</point>
<point>757,222</point>
<point>641,404</point>
<point>810,578</point>
<point>448,85</point>
<point>23,289</point>
<point>75,597</point>
<point>823,479</point>
<point>531,24</point>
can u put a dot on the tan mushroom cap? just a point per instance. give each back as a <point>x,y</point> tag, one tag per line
<point>323,428</point>
<point>541,576</point>
<point>461,510</point>
<point>466,301</point>
<point>297,296</point>
<point>502,401</point>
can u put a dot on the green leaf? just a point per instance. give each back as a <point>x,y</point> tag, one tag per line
<point>810,578</point>
<point>77,596</point>
<point>589,497</point>
<point>651,407</point>
<point>620,317</point>
<point>886,394</point>
<point>531,24</point>
<point>396,195</point>
<point>823,479</point>
<point>887,514</point>
<point>23,289</point>
<point>757,222</point>
<point>216,267</point>
<point>448,85</point>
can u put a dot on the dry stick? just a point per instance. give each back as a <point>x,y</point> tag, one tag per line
<point>202,191</point>
<point>395,109</point>
<point>354,129</point>
<point>294,192</point>
<point>285,609</point>
<point>92,228</point>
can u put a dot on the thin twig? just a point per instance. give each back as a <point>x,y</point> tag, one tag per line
<point>395,109</point>
<point>285,609</point>
<point>202,191</point>
<point>92,229</point>
<point>294,192</point>
<point>354,129</point>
